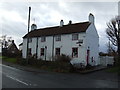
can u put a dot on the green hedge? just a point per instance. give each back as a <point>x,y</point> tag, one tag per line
<point>58,66</point>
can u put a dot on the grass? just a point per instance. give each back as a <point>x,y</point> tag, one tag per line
<point>113,69</point>
<point>12,60</point>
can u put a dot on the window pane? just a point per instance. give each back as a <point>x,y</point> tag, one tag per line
<point>74,36</point>
<point>74,52</point>
<point>58,38</point>
<point>30,40</point>
<point>42,51</point>
<point>43,39</point>
<point>29,51</point>
<point>57,51</point>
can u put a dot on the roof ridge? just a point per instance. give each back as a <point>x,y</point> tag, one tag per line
<point>64,25</point>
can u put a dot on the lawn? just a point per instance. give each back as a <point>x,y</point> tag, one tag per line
<point>12,60</point>
<point>113,69</point>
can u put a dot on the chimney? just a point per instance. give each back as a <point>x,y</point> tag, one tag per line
<point>61,23</point>
<point>91,18</point>
<point>70,22</point>
<point>33,27</point>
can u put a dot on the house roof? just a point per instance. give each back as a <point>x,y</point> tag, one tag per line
<point>20,44</point>
<point>65,29</point>
<point>12,45</point>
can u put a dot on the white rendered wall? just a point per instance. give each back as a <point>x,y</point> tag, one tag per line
<point>24,48</point>
<point>66,44</point>
<point>92,41</point>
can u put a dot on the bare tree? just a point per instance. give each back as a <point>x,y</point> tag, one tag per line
<point>111,49</point>
<point>5,41</point>
<point>113,33</point>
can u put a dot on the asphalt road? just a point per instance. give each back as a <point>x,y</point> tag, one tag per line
<point>15,78</point>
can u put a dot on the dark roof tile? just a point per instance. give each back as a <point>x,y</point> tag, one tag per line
<point>65,29</point>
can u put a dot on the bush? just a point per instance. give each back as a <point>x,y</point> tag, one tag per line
<point>63,58</point>
<point>59,66</point>
<point>12,55</point>
<point>21,61</point>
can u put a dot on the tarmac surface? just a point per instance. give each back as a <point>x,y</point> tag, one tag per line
<point>16,76</point>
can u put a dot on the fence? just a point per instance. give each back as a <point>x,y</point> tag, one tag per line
<point>106,60</point>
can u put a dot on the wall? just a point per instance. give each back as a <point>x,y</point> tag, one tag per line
<point>92,41</point>
<point>105,60</point>
<point>24,48</point>
<point>66,44</point>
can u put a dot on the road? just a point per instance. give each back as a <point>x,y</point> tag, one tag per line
<point>15,78</point>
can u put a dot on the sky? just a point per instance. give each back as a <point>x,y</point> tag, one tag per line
<point>14,16</point>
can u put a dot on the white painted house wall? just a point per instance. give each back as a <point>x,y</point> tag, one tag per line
<point>66,44</point>
<point>92,41</point>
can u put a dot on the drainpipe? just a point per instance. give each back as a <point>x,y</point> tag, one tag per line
<point>36,47</point>
<point>88,53</point>
<point>53,49</point>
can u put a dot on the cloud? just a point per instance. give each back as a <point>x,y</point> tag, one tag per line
<point>15,15</point>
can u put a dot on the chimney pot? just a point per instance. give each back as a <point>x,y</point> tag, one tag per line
<point>61,23</point>
<point>70,22</point>
<point>91,18</point>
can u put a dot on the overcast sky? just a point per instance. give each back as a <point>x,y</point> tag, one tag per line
<point>45,14</point>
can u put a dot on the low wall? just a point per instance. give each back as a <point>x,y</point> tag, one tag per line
<point>106,60</point>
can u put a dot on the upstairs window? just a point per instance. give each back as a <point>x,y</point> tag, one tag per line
<point>30,40</point>
<point>74,52</point>
<point>42,51</point>
<point>58,37</point>
<point>74,36</point>
<point>43,39</point>
<point>57,51</point>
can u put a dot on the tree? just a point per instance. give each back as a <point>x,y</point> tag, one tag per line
<point>110,48</point>
<point>113,33</point>
<point>5,41</point>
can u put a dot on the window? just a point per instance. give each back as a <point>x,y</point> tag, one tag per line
<point>57,51</point>
<point>58,38</point>
<point>74,52</point>
<point>42,51</point>
<point>43,39</point>
<point>74,36</point>
<point>30,40</point>
<point>29,51</point>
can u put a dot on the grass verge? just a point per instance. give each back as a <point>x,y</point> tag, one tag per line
<point>12,60</point>
<point>114,69</point>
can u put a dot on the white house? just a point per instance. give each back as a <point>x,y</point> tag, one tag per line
<point>78,40</point>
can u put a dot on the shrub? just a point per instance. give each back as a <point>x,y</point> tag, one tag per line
<point>12,55</point>
<point>21,61</point>
<point>63,58</point>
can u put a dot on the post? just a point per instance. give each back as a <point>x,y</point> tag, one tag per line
<point>28,34</point>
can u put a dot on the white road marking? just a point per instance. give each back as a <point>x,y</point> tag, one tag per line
<point>17,80</point>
